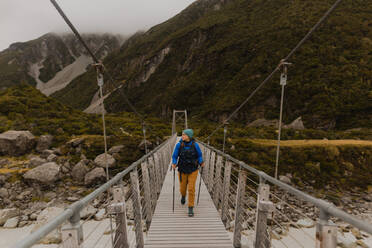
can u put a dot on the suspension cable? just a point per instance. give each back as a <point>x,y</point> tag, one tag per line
<point>283,82</point>
<point>305,38</point>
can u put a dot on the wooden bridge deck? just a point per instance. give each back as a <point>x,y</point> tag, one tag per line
<point>176,229</point>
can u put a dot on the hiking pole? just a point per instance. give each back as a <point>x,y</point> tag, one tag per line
<point>201,174</point>
<point>174,180</point>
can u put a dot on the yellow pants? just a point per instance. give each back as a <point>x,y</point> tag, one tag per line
<point>187,181</point>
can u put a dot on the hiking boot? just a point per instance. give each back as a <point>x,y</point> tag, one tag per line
<point>183,200</point>
<point>191,211</point>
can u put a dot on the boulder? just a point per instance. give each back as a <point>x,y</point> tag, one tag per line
<point>46,173</point>
<point>307,223</point>
<point>285,179</point>
<point>57,151</point>
<point>100,215</point>
<point>16,143</point>
<point>296,124</point>
<point>264,123</point>
<point>75,142</point>
<point>36,161</point>
<point>44,217</point>
<point>79,171</point>
<point>100,160</point>
<point>95,176</point>
<point>115,149</point>
<point>88,212</point>
<point>11,223</point>
<point>37,206</point>
<point>2,180</point>
<point>4,193</point>
<point>46,153</point>
<point>346,240</point>
<point>6,214</point>
<point>52,158</point>
<point>141,146</point>
<point>44,142</point>
<point>3,161</point>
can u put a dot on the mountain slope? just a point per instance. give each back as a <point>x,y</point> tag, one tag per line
<point>51,61</point>
<point>212,55</point>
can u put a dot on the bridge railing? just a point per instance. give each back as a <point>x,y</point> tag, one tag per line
<point>129,198</point>
<point>269,212</point>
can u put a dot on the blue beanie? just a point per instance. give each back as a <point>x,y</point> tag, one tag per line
<point>189,133</point>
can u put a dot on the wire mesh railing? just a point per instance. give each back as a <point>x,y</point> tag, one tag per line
<point>129,200</point>
<point>261,211</point>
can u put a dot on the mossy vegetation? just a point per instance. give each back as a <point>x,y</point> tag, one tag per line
<point>25,108</point>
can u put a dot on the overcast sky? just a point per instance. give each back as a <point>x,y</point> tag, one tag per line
<point>23,20</point>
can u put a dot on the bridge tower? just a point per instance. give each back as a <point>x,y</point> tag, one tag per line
<point>183,115</point>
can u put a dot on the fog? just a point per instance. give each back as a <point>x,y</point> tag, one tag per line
<point>23,20</point>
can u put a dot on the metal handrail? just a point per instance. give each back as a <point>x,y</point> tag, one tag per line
<point>76,207</point>
<point>325,207</point>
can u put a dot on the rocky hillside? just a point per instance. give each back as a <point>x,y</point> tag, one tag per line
<point>211,56</point>
<point>52,61</point>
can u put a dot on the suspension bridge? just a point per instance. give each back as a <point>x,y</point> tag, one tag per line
<point>236,200</point>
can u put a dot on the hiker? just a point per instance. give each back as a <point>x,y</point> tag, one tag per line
<point>187,156</point>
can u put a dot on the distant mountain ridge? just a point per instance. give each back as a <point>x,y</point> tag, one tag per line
<point>212,55</point>
<point>53,60</point>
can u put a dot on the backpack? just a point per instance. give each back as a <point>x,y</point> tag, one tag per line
<point>188,158</point>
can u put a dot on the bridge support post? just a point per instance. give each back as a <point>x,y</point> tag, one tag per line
<point>153,182</point>
<point>264,208</point>
<point>211,171</point>
<point>226,192</point>
<point>72,233</point>
<point>240,196</point>
<point>206,167</point>
<point>158,173</point>
<point>137,209</point>
<point>147,194</point>
<point>117,208</point>
<point>326,232</point>
<point>217,183</point>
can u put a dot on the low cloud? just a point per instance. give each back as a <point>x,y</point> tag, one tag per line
<point>22,20</point>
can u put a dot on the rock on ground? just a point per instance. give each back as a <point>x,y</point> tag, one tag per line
<point>141,146</point>
<point>44,142</point>
<point>88,212</point>
<point>115,149</point>
<point>16,143</point>
<point>95,176</point>
<point>263,123</point>
<point>296,124</point>
<point>36,161</point>
<point>44,217</point>
<point>11,223</point>
<point>46,173</point>
<point>6,214</point>
<point>100,160</point>
<point>79,171</point>
<point>100,215</point>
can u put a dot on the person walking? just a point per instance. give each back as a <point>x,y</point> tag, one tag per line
<point>187,156</point>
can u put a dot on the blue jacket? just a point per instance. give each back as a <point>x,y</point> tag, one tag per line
<point>187,145</point>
